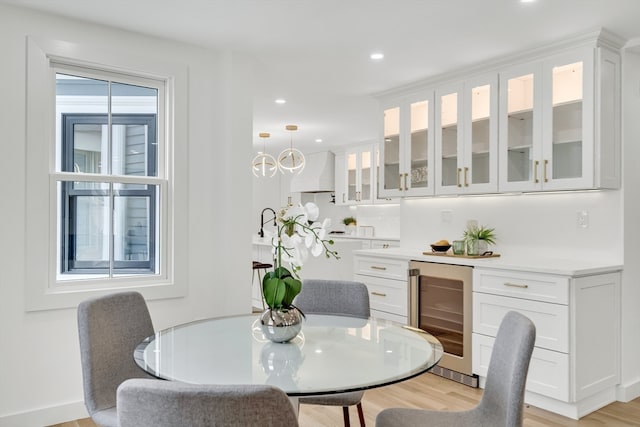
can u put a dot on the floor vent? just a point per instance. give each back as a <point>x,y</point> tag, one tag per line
<point>470,380</point>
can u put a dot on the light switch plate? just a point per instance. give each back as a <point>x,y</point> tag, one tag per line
<point>583,219</point>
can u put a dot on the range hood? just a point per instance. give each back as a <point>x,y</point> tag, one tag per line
<point>318,174</point>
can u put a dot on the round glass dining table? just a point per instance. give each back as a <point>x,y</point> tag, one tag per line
<point>332,354</point>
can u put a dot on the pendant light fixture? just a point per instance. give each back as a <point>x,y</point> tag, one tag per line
<point>291,160</point>
<point>264,164</point>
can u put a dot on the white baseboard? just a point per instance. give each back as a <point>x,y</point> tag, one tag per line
<point>629,391</point>
<point>46,416</point>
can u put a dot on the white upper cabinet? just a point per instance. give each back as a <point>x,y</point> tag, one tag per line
<point>359,163</point>
<point>466,137</point>
<point>548,121</point>
<point>559,122</point>
<point>407,149</point>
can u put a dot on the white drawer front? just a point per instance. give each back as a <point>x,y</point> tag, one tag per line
<point>548,370</point>
<point>381,267</point>
<point>551,320</point>
<point>386,295</point>
<point>538,287</point>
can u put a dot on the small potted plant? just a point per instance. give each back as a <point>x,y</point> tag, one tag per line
<point>478,239</point>
<point>350,222</point>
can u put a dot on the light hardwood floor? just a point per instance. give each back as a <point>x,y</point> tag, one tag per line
<point>432,392</point>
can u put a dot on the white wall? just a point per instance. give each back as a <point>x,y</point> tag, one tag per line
<point>631,275</point>
<point>40,377</point>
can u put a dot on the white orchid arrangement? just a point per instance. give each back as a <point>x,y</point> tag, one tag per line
<point>298,235</point>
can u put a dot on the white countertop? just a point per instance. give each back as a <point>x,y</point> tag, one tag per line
<point>351,236</point>
<point>521,262</point>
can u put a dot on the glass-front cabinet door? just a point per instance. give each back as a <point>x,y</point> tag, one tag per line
<point>449,140</point>
<point>480,167</point>
<point>391,177</point>
<point>567,142</point>
<point>467,137</point>
<point>520,119</point>
<point>546,130</point>
<point>359,173</point>
<point>407,147</point>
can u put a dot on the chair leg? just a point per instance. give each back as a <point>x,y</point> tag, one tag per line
<point>360,414</point>
<point>345,414</point>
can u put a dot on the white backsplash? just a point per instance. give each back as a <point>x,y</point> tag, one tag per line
<point>538,222</point>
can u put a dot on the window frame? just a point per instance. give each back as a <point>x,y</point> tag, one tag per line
<point>43,289</point>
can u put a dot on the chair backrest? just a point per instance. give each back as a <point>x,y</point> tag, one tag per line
<point>158,403</point>
<point>503,399</point>
<point>338,297</point>
<point>110,327</point>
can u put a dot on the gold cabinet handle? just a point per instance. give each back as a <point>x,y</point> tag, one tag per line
<point>375,267</point>
<point>458,178</point>
<point>379,294</point>
<point>544,171</point>
<point>535,171</point>
<point>516,285</point>
<point>405,182</point>
<point>466,176</point>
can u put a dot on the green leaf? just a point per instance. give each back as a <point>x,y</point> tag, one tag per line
<point>293,288</point>
<point>274,290</point>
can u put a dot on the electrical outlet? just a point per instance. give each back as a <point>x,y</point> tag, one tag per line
<point>583,219</point>
<point>446,215</point>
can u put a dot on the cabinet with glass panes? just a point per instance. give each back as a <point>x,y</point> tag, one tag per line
<point>466,137</point>
<point>407,148</point>
<point>555,132</point>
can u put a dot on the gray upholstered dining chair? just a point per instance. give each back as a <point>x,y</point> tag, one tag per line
<point>110,327</point>
<point>338,298</point>
<point>158,403</point>
<point>502,403</point>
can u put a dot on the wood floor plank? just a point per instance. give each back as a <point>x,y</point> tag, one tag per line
<point>432,392</point>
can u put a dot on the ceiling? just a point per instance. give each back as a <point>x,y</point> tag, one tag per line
<point>315,54</point>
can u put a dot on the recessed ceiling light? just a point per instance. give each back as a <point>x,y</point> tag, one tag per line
<point>377,56</point>
<point>318,140</point>
<point>527,1</point>
<point>281,101</point>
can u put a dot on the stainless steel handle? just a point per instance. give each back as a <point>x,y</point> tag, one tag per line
<point>375,267</point>
<point>412,297</point>
<point>400,182</point>
<point>536,163</point>
<point>466,177</point>
<point>379,294</point>
<point>405,182</point>
<point>516,285</point>
<point>458,178</point>
<point>343,197</point>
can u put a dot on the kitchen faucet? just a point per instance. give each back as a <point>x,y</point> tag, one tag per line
<point>263,222</point>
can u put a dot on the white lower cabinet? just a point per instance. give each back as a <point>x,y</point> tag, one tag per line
<point>575,363</point>
<point>386,280</point>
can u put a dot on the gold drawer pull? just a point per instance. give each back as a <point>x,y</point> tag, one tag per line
<point>378,294</point>
<point>516,285</point>
<point>375,267</point>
